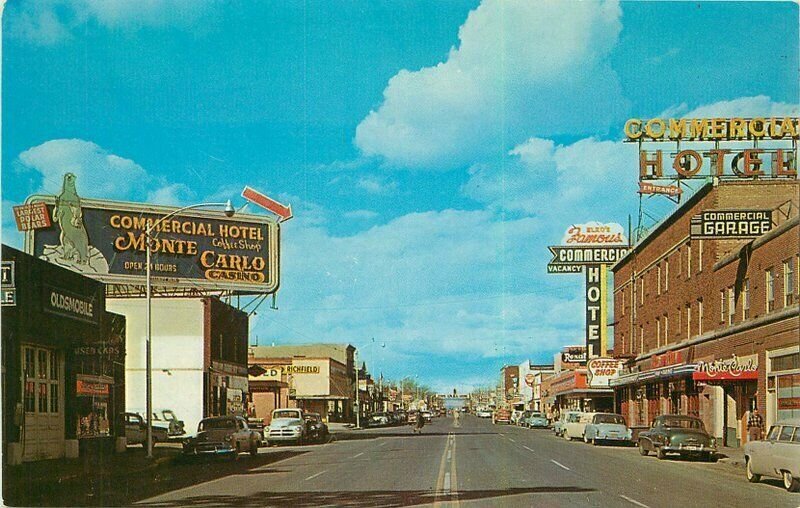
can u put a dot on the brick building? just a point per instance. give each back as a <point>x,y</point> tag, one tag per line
<point>709,327</point>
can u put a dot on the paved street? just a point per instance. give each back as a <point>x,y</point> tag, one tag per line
<point>476,464</point>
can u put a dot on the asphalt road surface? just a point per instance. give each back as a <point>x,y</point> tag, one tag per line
<point>474,464</point>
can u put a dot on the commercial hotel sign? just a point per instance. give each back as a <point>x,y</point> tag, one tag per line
<point>775,157</point>
<point>197,249</point>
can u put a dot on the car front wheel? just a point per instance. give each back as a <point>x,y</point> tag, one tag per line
<point>790,483</point>
<point>642,450</point>
<point>661,454</point>
<point>751,476</point>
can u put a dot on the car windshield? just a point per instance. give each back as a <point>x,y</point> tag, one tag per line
<point>223,423</point>
<point>168,414</point>
<point>285,414</point>
<point>683,423</point>
<point>616,419</point>
<point>536,415</point>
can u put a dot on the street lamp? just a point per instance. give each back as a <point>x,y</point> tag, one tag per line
<point>229,211</point>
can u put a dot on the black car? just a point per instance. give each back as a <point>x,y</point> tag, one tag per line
<point>222,435</point>
<point>316,431</point>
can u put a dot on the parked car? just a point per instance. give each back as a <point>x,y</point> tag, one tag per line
<point>316,429</point>
<point>536,420</point>
<point>379,420</point>
<point>427,415</point>
<point>286,426</point>
<point>222,435</point>
<point>165,419</point>
<point>575,425</point>
<point>136,430</point>
<point>684,435</point>
<point>607,427</point>
<point>502,416</point>
<point>776,456</point>
<point>412,417</point>
<point>516,415</point>
<point>559,425</point>
<point>256,424</point>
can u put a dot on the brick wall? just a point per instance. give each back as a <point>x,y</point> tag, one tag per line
<point>678,278</point>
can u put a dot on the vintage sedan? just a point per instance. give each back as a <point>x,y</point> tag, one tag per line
<point>575,425</point>
<point>678,434</point>
<point>776,456</point>
<point>535,420</point>
<point>559,425</point>
<point>605,427</point>
<point>222,435</point>
<point>316,429</point>
<point>136,430</point>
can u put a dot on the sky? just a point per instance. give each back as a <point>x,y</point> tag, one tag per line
<point>431,150</point>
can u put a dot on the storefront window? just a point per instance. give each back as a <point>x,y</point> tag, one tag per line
<point>788,396</point>
<point>30,397</point>
<point>41,382</point>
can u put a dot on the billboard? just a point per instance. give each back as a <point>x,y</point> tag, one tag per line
<point>195,249</point>
<point>592,243</point>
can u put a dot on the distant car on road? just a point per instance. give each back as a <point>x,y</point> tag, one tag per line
<point>222,435</point>
<point>683,435</point>
<point>483,413</point>
<point>136,430</point>
<point>502,416</point>
<point>516,415</point>
<point>427,416</point>
<point>379,420</point>
<point>286,426</point>
<point>165,419</point>
<point>605,427</point>
<point>776,456</point>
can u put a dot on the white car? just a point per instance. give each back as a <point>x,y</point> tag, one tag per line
<point>776,456</point>
<point>286,426</point>
<point>575,426</point>
<point>607,427</point>
<point>483,413</point>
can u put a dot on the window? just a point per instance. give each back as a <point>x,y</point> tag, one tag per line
<point>688,260</point>
<point>773,433</point>
<point>658,332</point>
<point>688,320</point>
<point>678,315</point>
<point>746,299</point>
<point>641,338</point>
<point>770,289</point>
<point>786,433</point>
<point>622,297</point>
<point>666,275</point>
<point>731,305</point>
<point>699,256</point>
<point>666,329</point>
<point>788,283</point>
<point>641,290</point>
<point>680,262</point>
<point>699,316</point>
<point>40,380</point>
<point>658,280</point>
<point>722,312</point>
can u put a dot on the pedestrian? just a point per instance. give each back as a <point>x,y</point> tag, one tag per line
<point>755,425</point>
<point>456,418</point>
<point>420,423</point>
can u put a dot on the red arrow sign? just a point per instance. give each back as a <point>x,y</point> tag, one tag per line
<point>282,211</point>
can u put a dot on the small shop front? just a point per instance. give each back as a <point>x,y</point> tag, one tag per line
<point>665,387</point>
<point>729,386</point>
<point>63,363</point>
<point>572,392</point>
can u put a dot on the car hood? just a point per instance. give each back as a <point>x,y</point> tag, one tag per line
<point>285,422</point>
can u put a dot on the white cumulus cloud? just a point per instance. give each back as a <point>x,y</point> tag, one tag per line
<point>521,69</point>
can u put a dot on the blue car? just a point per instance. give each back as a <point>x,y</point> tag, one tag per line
<point>607,427</point>
<point>536,421</point>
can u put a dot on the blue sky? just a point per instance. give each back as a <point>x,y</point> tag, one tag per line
<point>431,150</point>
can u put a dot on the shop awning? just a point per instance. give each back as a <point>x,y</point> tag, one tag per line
<point>648,375</point>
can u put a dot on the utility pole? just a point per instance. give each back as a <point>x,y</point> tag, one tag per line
<point>358,407</point>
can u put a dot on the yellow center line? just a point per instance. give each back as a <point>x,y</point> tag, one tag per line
<point>453,475</point>
<point>437,500</point>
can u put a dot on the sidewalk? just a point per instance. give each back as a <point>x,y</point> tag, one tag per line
<point>731,456</point>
